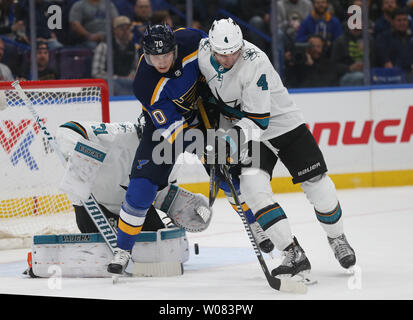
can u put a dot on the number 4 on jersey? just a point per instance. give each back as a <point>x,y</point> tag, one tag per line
<point>262,82</point>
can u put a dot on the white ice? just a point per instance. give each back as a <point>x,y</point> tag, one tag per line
<point>378,223</point>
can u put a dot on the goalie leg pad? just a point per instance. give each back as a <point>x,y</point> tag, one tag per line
<point>186,209</point>
<point>87,255</point>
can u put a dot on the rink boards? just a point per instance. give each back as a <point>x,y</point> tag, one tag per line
<point>366,135</point>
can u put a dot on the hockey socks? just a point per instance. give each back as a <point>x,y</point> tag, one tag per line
<point>139,197</point>
<point>331,221</point>
<point>329,217</point>
<point>274,222</point>
<point>248,213</point>
<point>270,215</point>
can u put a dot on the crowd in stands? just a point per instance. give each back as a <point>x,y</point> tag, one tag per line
<point>316,46</point>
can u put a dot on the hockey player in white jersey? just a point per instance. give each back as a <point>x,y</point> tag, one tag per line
<point>253,100</point>
<point>109,183</point>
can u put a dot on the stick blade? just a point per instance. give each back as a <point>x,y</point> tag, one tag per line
<point>291,286</point>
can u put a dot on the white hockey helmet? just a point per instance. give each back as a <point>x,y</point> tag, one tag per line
<point>225,36</point>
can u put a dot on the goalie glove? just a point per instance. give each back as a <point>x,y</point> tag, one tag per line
<point>186,209</point>
<point>82,169</point>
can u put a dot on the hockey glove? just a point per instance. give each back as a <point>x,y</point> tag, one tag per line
<point>229,148</point>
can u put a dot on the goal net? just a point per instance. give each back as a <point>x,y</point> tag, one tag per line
<point>30,172</point>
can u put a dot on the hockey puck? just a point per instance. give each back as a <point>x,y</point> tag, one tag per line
<point>196,248</point>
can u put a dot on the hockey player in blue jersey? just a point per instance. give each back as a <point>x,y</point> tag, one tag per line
<point>165,84</point>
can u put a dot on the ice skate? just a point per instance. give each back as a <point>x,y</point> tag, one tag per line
<point>119,263</point>
<point>295,265</point>
<point>261,237</point>
<point>342,251</point>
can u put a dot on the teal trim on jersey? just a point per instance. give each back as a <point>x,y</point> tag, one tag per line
<point>262,123</point>
<point>238,114</point>
<point>231,112</point>
<point>218,68</point>
<point>144,236</point>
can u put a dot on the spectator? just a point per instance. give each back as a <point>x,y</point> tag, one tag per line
<point>261,21</point>
<point>383,23</point>
<point>43,32</point>
<point>314,69</point>
<point>296,8</point>
<point>9,27</point>
<point>374,9</point>
<point>347,51</point>
<point>124,58</point>
<point>125,7</point>
<point>162,17</point>
<point>87,19</point>
<point>320,22</point>
<point>143,12</point>
<point>295,12</point>
<point>44,71</point>
<point>339,8</point>
<point>5,72</point>
<point>394,47</point>
<point>205,11</point>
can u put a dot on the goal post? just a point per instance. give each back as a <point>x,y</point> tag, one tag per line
<point>30,172</point>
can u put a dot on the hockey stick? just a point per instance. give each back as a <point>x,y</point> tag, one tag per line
<point>213,185</point>
<point>213,181</point>
<point>284,285</point>
<point>91,206</point>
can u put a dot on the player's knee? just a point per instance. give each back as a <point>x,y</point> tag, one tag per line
<point>256,190</point>
<point>141,193</point>
<point>321,193</point>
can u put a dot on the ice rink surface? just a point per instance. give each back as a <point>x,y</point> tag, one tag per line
<point>378,223</point>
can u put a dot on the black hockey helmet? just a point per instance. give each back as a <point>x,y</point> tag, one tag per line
<point>158,39</point>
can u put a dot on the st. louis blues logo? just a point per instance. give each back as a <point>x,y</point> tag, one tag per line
<point>141,163</point>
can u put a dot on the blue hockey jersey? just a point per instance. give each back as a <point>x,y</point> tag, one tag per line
<point>169,98</point>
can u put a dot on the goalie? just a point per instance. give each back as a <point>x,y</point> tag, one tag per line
<point>107,181</point>
<point>161,252</point>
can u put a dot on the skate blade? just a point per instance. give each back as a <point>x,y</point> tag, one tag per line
<point>127,272</point>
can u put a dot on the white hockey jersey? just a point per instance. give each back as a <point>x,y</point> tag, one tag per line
<point>250,94</point>
<point>121,141</point>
